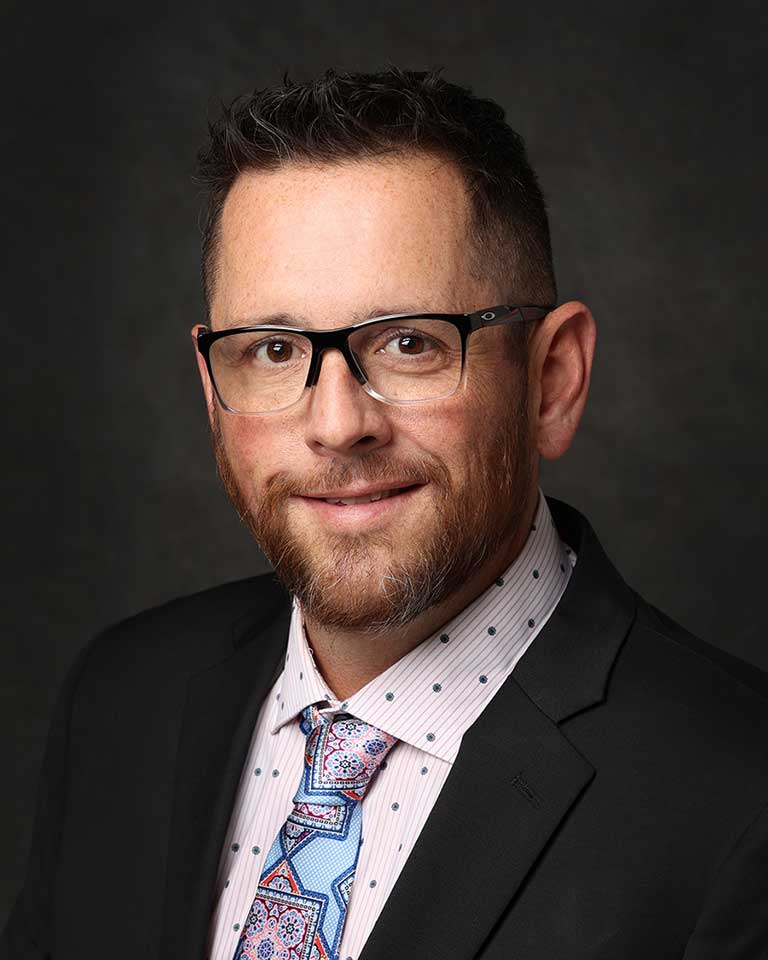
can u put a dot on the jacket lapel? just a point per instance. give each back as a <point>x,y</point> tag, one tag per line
<point>220,713</point>
<point>568,665</point>
<point>514,780</point>
<point>517,775</point>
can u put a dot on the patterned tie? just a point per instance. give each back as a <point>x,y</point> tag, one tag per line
<point>301,901</point>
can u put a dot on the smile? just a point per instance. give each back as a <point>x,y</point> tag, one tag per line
<point>370,498</point>
<point>360,505</point>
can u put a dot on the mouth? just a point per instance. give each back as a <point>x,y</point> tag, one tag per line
<point>373,497</point>
<point>352,507</point>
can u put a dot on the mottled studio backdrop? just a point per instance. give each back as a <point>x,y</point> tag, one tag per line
<point>647,124</point>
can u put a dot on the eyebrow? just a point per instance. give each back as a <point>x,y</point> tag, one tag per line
<point>290,320</point>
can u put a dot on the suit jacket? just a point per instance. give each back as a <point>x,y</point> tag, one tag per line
<point>609,803</point>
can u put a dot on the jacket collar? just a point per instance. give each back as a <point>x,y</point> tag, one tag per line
<point>568,667</point>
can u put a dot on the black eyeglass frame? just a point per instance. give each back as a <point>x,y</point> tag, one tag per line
<point>338,339</point>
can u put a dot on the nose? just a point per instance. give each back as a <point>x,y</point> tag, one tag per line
<point>342,418</point>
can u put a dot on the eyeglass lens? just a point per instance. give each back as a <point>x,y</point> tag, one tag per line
<point>403,361</point>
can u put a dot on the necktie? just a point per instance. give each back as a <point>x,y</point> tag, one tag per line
<point>301,902</point>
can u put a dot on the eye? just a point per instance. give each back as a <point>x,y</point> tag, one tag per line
<point>277,351</point>
<point>408,344</point>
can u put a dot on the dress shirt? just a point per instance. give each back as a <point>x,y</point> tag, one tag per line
<point>428,699</point>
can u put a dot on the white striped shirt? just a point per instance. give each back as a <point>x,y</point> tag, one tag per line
<point>428,700</point>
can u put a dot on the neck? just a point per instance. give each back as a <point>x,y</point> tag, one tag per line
<point>348,659</point>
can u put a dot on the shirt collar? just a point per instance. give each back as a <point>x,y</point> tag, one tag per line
<point>301,683</point>
<point>433,694</point>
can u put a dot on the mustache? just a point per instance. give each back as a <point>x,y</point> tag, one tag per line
<point>374,468</point>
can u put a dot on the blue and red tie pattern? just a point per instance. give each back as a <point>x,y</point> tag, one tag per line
<point>299,909</point>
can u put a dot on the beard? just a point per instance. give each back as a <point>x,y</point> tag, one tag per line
<point>379,581</point>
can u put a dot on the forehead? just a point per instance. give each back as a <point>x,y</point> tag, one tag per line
<point>325,242</point>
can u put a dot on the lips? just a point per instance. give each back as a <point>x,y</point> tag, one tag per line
<point>343,498</point>
<point>367,508</point>
<point>371,498</point>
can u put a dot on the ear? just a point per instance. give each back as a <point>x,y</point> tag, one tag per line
<point>560,367</point>
<point>202,369</point>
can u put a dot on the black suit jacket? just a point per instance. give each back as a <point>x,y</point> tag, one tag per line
<point>609,803</point>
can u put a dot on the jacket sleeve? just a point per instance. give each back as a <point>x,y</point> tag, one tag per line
<point>27,933</point>
<point>733,924</point>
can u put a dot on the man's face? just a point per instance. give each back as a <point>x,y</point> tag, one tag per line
<point>329,246</point>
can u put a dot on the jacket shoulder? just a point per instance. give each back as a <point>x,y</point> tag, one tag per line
<point>190,631</point>
<point>732,672</point>
<point>693,704</point>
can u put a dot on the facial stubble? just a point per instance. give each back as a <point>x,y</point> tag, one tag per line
<point>374,582</point>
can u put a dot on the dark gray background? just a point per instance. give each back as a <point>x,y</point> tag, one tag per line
<point>648,128</point>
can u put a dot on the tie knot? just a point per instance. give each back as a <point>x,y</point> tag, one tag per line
<point>341,758</point>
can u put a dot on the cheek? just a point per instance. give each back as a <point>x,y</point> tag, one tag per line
<point>255,448</point>
<point>447,431</point>
<point>471,431</point>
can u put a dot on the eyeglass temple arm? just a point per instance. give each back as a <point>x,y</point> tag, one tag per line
<point>495,316</point>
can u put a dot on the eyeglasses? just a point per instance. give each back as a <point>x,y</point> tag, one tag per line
<point>399,358</point>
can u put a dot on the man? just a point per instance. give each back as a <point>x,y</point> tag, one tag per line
<point>456,732</point>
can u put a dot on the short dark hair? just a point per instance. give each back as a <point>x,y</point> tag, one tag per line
<point>351,116</point>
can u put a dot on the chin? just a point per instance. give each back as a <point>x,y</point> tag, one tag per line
<point>357,584</point>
